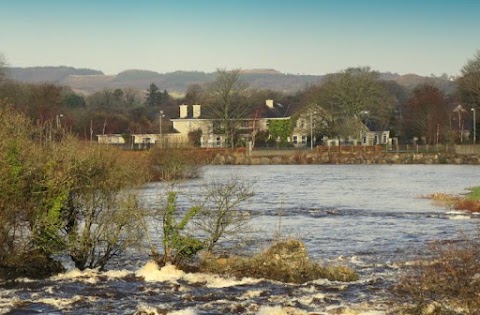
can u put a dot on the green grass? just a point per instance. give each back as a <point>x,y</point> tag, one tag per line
<point>474,193</point>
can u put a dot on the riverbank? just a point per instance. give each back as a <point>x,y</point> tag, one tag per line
<point>289,157</point>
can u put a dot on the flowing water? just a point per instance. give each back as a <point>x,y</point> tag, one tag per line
<point>370,217</point>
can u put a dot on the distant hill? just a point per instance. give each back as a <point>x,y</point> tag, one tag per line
<point>48,74</point>
<point>87,81</point>
<point>259,71</point>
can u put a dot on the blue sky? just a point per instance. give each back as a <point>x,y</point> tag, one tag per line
<point>298,36</point>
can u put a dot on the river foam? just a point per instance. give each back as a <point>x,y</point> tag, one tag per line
<point>151,272</point>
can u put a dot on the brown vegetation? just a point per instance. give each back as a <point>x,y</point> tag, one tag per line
<point>169,164</point>
<point>285,261</point>
<point>467,204</point>
<point>456,202</point>
<point>448,283</point>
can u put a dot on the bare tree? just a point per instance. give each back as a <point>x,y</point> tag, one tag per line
<point>470,81</point>
<point>3,67</point>
<point>193,94</point>
<point>426,114</point>
<point>356,96</point>
<point>221,215</point>
<point>227,93</point>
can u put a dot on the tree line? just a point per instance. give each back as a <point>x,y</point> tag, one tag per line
<point>340,105</point>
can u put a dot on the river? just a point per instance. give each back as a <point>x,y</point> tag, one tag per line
<point>370,217</point>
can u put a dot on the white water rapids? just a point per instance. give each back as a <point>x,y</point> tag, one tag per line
<point>370,217</point>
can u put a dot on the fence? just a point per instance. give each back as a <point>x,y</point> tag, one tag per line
<point>322,149</point>
<point>467,149</point>
<point>388,148</point>
<point>350,148</point>
<point>438,148</point>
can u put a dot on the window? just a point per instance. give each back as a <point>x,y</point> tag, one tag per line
<point>295,139</point>
<point>245,124</point>
<point>304,139</point>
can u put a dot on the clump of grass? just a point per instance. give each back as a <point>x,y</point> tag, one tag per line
<point>285,261</point>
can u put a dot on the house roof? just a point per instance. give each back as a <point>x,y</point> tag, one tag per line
<point>277,111</point>
<point>257,111</point>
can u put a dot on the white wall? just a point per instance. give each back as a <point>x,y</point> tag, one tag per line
<point>184,126</point>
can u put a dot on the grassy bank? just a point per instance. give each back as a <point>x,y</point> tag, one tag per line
<point>469,202</point>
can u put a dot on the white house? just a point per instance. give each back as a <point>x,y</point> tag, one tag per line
<point>307,123</point>
<point>191,118</point>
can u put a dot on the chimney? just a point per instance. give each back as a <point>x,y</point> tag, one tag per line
<point>183,111</point>
<point>269,103</point>
<point>197,111</point>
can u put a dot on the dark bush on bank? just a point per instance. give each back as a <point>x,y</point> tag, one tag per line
<point>33,265</point>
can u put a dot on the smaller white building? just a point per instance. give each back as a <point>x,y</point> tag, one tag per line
<point>141,141</point>
<point>376,137</point>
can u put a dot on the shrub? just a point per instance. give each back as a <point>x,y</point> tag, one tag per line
<point>28,192</point>
<point>177,244</point>
<point>174,163</point>
<point>102,213</point>
<point>220,215</point>
<point>215,215</point>
<point>448,283</point>
<point>194,137</point>
<point>59,195</point>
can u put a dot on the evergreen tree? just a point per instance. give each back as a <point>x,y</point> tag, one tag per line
<point>154,96</point>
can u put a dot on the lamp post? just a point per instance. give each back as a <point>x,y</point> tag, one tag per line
<point>161,116</point>
<point>311,131</point>
<point>57,120</point>
<point>474,126</point>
